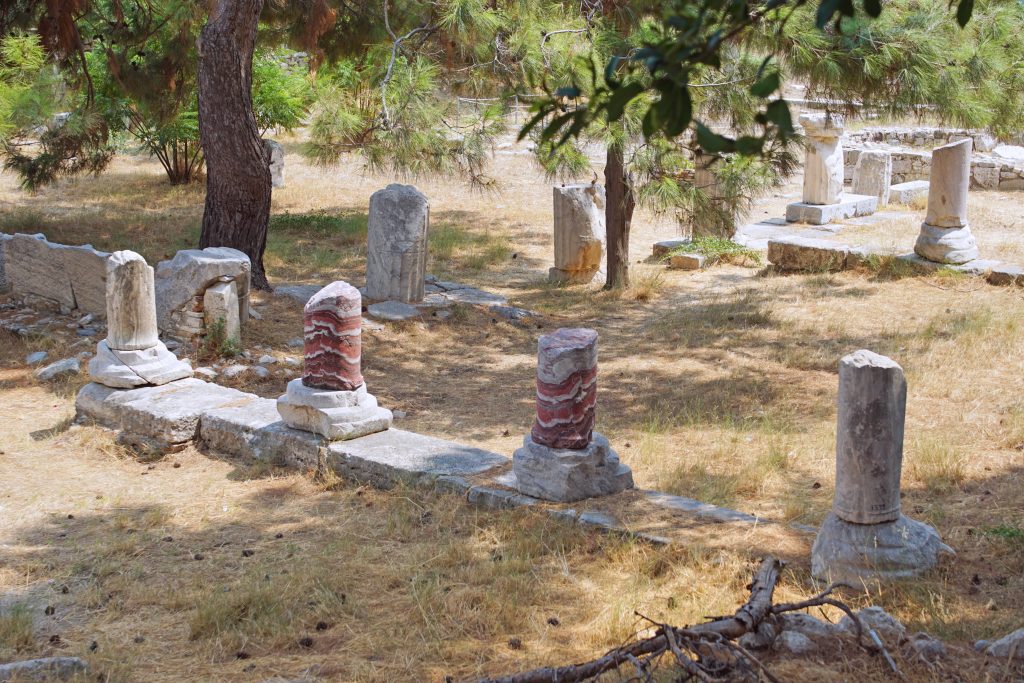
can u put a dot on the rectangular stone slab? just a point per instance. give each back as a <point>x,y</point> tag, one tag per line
<point>386,457</point>
<point>904,193</point>
<point>807,254</point>
<point>167,414</point>
<point>254,429</point>
<point>820,214</point>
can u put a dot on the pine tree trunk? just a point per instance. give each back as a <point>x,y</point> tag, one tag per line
<point>237,210</point>
<point>618,215</point>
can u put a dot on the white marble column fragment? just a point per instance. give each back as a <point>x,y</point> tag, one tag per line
<point>276,152</point>
<point>132,355</point>
<point>945,234</point>
<point>823,168</point>
<point>866,536</point>
<point>396,244</point>
<point>578,231</point>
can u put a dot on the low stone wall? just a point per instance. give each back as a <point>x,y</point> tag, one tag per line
<point>45,273</point>
<point>987,172</point>
<point>921,137</point>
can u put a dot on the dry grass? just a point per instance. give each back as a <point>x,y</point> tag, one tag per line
<point>719,385</point>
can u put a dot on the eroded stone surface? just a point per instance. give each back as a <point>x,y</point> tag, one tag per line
<point>869,438</point>
<point>566,475</point>
<point>186,276</point>
<point>873,175</point>
<point>127,369</point>
<point>844,551</point>
<point>946,245</point>
<point>945,235</point>
<point>823,168</point>
<point>131,310</point>
<point>807,254</point>
<point>396,258</point>
<point>276,153</point>
<point>253,429</point>
<point>849,206</point>
<point>578,232</point>
<point>220,306</point>
<point>904,193</point>
<point>44,669</point>
<point>566,388</point>
<point>1009,646</point>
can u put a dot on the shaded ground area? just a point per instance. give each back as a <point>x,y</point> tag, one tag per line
<point>719,385</point>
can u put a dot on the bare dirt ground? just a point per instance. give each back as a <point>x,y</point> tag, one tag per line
<point>718,385</point>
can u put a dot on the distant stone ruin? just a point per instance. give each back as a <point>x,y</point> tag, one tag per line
<point>396,250</point>
<point>196,278</point>
<point>50,275</point>
<point>579,232</point>
<point>945,235</point>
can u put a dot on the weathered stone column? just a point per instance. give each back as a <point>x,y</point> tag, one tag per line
<point>823,167</point>
<point>132,354</point>
<point>331,398</point>
<point>945,235</point>
<point>873,174</point>
<point>579,230</point>
<point>396,258</point>
<point>276,152</point>
<point>563,458</point>
<point>866,536</point>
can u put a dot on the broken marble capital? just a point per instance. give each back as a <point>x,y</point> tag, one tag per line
<point>331,397</point>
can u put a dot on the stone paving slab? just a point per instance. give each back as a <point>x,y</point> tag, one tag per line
<point>385,457</point>
<point>820,214</point>
<point>166,415</point>
<point>254,429</point>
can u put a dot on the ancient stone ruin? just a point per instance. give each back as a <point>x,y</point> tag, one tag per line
<point>579,231</point>
<point>945,235</point>
<point>276,153</point>
<point>866,536</point>
<point>396,258</point>
<point>50,275</point>
<point>873,175</point>
<point>201,287</point>
<point>132,355</point>
<point>823,198</point>
<point>563,459</point>
<point>330,398</point>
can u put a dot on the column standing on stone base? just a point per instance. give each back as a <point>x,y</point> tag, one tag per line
<point>578,232</point>
<point>131,303</point>
<point>945,234</point>
<point>332,332</point>
<point>823,167</point>
<point>566,388</point>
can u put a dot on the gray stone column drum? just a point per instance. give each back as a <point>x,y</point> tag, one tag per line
<point>131,303</point>
<point>396,258</point>
<point>945,234</point>
<point>869,438</point>
<point>578,231</point>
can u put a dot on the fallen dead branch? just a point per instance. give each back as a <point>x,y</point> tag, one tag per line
<point>704,652</point>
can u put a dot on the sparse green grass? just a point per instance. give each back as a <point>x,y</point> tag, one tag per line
<point>1011,533</point>
<point>455,247</point>
<point>15,631</point>
<point>346,228</point>
<point>719,250</point>
<point>21,220</point>
<point>886,267</point>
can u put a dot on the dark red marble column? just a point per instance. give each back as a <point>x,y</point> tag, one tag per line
<point>566,388</point>
<point>332,326</point>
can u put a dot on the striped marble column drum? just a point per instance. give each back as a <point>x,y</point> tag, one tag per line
<point>566,388</point>
<point>332,325</point>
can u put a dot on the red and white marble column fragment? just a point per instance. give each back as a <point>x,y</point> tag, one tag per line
<point>566,388</point>
<point>330,398</point>
<point>563,458</point>
<point>332,326</point>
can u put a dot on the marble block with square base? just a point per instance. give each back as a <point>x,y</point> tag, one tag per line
<point>849,205</point>
<point>568,474</point>
<point>334,414</point>
<point>129,369</point>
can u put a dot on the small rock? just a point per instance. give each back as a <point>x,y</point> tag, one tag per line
<point>931,649</point>
<point>86,332</point>
<point>795,642</point>
<point>511,312</point>
<point>399,414</point>
<point>266,359</point>
<point>1007,647</point>
<point>254,314</point>
<point>296,343</point>
<point>86,319</point>
<point>206,372</point>
<point>759,639</point>
<point>172,344</point>
<point>292,362</point>
<point>248,552</point>
<point>881,622</point>
<point>393,310</point>
<point>442,315</point>
<point>807,625</point>
<point>36,357</point>
<point>68,366</point>
<point>261,372</point>
<point>45,669</point>
<point>234,370</point>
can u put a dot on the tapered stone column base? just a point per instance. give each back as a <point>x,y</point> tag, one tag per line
<point>565,475</point>
<point>128,369</point>
<point>571,277</point>
<point>844,551</point>
<point>337,415</point>
<point>946,245</point>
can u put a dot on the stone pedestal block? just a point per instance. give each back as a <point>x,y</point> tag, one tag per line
<point>187,276</point>
<point>578,230</point>
<point>566,388</point>
<point>872,175</point>
<point>869,438</point>
<point>854,553</point>
<point>129,369</point>
<point>220,304</point>
<point>396,258</point>
<point>566,475</point>
<point>276,153</point>
<point>945,234</point>
<point>334,414</point>
<point>823,168</point>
